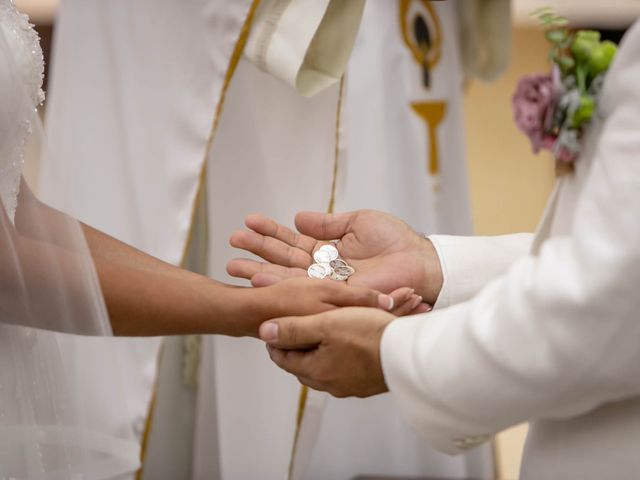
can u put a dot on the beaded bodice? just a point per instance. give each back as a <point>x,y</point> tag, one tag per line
<point>21,76</point>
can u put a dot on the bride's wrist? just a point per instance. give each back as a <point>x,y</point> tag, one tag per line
<point>246,309</point>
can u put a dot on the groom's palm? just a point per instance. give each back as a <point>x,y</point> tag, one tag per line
<point>385,253</point>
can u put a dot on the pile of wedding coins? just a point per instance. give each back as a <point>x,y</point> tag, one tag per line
<point>329,265</point>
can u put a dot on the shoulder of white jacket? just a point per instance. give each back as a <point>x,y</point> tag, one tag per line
<point>623,77</point>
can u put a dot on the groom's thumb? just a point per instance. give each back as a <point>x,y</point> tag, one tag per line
<point>291,333</point>
<point>323,226</point>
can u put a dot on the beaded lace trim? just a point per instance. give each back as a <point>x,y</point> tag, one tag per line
<point>26,55</point>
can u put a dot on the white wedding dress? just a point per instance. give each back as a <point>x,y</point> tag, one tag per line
<point>60,416</point>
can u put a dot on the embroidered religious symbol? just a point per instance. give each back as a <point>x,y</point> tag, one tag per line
<point>422,34</point>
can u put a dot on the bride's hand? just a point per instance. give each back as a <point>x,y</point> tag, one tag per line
<point>384,251</point>
<point>306,296</point>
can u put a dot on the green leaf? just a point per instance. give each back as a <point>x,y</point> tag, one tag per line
<point>566,63</point>
<point>556,36</point>
<point>541,11</point>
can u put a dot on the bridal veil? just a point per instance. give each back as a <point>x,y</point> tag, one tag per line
<point>62,416</point>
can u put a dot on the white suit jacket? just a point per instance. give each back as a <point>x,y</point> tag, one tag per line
<point>545,329</point>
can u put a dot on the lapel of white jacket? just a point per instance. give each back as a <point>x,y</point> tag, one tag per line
<point>544,227</point>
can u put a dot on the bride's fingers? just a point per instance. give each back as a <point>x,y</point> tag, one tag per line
<point>271,228</point>
<point>421,308</point>
<point>271,249</point>
<point>409,307</point>
<point>245,268</point>
<point>403,301</point>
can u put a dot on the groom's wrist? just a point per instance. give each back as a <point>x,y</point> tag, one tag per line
<point>432,274</point>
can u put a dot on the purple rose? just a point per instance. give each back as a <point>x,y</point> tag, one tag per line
<point>533,107</point>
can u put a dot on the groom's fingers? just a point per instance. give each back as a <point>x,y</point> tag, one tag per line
<point>324,226</point>
<point>313,384</point>
<point>267,278</point>
<point>298,363</point>
<point>271,249</point>
<point>293,333</point>
<point>271,228</point>
<point>245,268</point>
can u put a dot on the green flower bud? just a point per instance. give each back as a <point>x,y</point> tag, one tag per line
<point>602,57</point>
<point>584,43</point>
<point>584,112</point>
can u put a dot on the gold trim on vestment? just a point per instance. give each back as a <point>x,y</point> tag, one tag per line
<point>233,63</point>
<point>147,425</point>
<point>304,390</point>
<point>236,54</point>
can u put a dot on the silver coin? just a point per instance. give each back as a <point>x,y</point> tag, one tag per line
<point>338,277</point>
<point>346,270</point>
<point>338,262</point>
<point>319,270</point>
<point>322,256</point>
<point>333,251</point>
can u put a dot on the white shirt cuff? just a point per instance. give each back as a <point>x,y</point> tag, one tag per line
<point>469,263</point>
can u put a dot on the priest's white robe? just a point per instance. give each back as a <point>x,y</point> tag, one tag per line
<point>136,89</point>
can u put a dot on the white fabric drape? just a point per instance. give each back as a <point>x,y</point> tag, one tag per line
<point>134,89</point>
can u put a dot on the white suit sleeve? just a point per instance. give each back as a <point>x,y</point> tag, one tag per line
<point>470,263</point>
<point>304,43</point>
<point>558,334</point>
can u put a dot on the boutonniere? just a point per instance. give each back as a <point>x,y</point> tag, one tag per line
<point>554,110</point>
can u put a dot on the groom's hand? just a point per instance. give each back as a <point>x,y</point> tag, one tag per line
<point>337,351</point>
<point>384,251</point>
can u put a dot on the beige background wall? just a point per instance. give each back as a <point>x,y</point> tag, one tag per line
<point>509,185</point>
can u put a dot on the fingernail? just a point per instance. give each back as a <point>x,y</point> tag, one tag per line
<point>429,308</point>
<point>269,332</point>
<point>417,302</point>
<point>385,302</point>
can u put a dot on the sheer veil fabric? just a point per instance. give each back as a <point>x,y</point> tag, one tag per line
<point>51,425</point>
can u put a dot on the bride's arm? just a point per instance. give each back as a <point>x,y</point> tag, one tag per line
<point>35,219</point>
<point>146,297</point>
